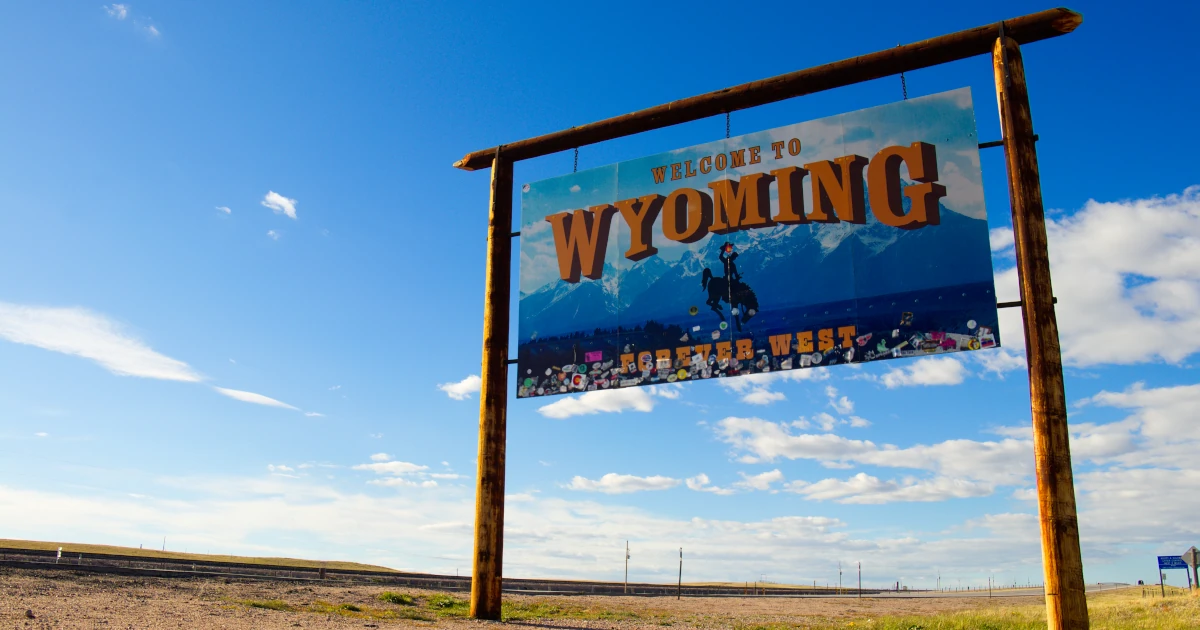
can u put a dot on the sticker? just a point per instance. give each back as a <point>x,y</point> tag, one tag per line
<point>541,391</point>
<point>568,368</point>
<point>549,371</point>
<point>971,324</point>
<point>693,310</point>
<point>684,338</point>
<point>682,374</point>
<point>850,355</point>
<point>984,331</point>
<point>671,378</point>
<point>805,360</point>
<point>716,334</point>
<point>581,368</point>
<point>973,344</point>
<point>733,311</point>
<point>646,359</point>
<point>664,364</point>
<point>786,364</point>
<point>525,188</point>
<point>895,333</point>
<point>629,382</point>
<point>816,357</point>
<point>723,325</point>
<point>528,382</point>
<point>593,356</point>
<point>906,319</point>
<point>695,329</point>
<point>987,341</point>
<point>751,312</point>
<point>596,366</point>
<point>862,341</point>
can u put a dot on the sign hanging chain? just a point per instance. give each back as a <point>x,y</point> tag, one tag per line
<point>726,125</point>
<point>575,169</point>
<point>903,83</point>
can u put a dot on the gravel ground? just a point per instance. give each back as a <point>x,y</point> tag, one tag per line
<point>66,599</point>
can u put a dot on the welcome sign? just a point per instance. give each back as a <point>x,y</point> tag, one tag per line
<point>859,237</point>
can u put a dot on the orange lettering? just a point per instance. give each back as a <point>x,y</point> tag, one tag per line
<point>839,191</point>
<point>580,240</point>
<point>639,215</point>
<point>686,214</point>
<point>742,204</point>
<point>884,186</point>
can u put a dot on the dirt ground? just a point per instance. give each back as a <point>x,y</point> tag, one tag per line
<point>64,599</point>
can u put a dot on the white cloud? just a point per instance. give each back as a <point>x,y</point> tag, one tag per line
<point>859,423</point>
<point>926,371</point>
<point>273,235</point>
<point>999,361</point>
<point>460,390</point>
<point>251,397</point>
<point>152,31</point>
<point>280,468</point>
<point>612,483</point>
<point>607,401</point>
<point>1005,462</point>
<point>1001,239</point>
<point>761,481</point>
<point>280,204</point>
<point>380,457</point>
<point>575,188</point>
<point>80,332</point>
<point>700,483</point>
<point>866,489</point>
<point>41,434</point>
<point>335,388</point>
<point>762,396</point>
<point>1131,266</point>
<point>756,388</point>
<point>225,209</point>
<point>313,414</point>
<point>392,467</point>
<point>118,11</point>
<point>841,405</point>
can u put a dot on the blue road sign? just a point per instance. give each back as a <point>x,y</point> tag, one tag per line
<point>1171,562</point>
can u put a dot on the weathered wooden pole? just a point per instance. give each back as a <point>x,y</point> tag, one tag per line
<point>493,400</point>
<point>1066,604</point>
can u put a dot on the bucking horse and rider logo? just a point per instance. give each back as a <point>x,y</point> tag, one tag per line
<point>730,289</point>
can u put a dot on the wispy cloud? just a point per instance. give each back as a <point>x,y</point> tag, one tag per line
<point>612,483</point>
<point>118,11</point>
<point>225,209</point>
<point>280,204</point>
<point>461,390</point>
<point>927,371</point>
<point>273,235</point>
<point>701,483</point>
<point>608,401</point>
<point>83,333</point>
<point>251,397</point>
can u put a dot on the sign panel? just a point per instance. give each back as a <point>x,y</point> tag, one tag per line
<point>1191,557</point>
<point>854,238</point>
<point>1171,562</point>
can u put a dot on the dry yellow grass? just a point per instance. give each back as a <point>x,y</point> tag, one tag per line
<point>78,548</point>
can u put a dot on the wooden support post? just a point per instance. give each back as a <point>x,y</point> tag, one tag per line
<point>493,400</point>
<point>1066,604</point>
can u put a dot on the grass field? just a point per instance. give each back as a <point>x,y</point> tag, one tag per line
<point>1125,609</point>
<point>77,548</point>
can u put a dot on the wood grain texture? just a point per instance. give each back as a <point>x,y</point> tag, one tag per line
<point>1066,604</point>
<point>922,54</point>
<point>493,400</point>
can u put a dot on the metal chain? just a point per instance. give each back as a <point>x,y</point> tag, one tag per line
<point>575,169</point>
<point>903,86</point>
<point>726,125</point>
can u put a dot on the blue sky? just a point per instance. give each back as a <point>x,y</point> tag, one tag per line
<point>242,294</point>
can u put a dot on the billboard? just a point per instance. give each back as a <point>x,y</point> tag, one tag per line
<point>859,237</point>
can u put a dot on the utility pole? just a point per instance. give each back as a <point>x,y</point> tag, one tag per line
<point>1066,601</point>
<point>839,577</point>
<point>626,566</point>
<point>860,579</point>
<point>679,588</point>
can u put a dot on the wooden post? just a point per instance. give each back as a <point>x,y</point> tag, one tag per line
<point>1066,604</point>
<point>493,400</point>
